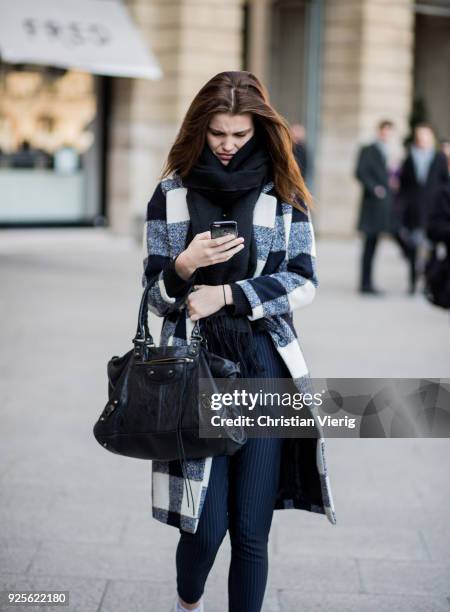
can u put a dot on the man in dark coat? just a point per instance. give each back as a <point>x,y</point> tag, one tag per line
<point>438,225</point>
<point>423,177</point>
<point>437,272</point>
<point>376,203</point>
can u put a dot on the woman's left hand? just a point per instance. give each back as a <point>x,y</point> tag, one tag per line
<point>204,301</point>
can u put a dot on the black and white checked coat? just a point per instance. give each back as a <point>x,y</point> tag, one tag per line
<point>284,279</point>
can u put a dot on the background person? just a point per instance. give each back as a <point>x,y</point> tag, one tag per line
<point>423,176</point>
<point>445,149</point>
<point>375,214</point>
<point>298,133</point>
<point>437,272</point>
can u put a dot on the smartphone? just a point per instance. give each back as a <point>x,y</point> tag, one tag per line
<point>222,228</point>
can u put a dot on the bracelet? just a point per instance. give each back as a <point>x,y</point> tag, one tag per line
<point>224,296</point>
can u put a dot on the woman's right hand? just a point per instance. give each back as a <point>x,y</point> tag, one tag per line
<point>206,251</point>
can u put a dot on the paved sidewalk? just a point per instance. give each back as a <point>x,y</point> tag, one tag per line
<point>74,517</point>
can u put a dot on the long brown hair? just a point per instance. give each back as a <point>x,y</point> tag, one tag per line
<point>239,92</point>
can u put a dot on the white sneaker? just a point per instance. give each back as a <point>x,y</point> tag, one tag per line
<point>200,608</point>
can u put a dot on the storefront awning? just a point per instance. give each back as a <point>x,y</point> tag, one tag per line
<point>96,36</point>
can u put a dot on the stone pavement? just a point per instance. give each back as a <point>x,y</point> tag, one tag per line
<point>74,517</point>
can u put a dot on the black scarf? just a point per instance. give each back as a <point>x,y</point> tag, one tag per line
<point>213,188</point>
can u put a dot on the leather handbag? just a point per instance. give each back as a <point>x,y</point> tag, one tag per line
<point>153,410</point>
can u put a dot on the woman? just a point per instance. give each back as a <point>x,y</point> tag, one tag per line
<point>233,159</point>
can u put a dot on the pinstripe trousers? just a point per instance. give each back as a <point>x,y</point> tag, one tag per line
<point>240,499</point>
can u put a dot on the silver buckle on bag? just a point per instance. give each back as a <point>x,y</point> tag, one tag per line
<point>140,344</point>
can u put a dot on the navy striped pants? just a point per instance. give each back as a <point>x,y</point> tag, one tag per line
<point>240,498</point>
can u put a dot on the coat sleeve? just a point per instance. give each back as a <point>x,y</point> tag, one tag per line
<point>168,290</point>
<point>294,285</point>
<point>241,306</point>
<point>438,227</point>
<point>407,178</point>
<point>443,170</point>
<point>363,172</point>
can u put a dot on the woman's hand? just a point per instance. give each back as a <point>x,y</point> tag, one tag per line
<point>207,299</point>
<point>206,251</point>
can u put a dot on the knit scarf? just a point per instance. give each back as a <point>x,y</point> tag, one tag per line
<point>212,189</point>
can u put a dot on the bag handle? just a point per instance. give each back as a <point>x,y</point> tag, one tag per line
<point>143,336</point>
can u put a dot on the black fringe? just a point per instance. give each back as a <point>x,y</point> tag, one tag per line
<point>232,338</point>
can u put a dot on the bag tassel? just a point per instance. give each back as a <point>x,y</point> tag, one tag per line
<point>232,338</point>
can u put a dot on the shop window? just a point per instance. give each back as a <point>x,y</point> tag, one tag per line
<point>49,145</point>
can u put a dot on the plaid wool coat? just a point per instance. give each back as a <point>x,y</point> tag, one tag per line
<point>284,279</point>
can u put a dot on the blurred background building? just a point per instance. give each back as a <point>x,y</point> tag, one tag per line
<point>85,143</point>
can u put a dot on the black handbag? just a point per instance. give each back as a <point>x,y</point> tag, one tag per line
<point>153,406</point>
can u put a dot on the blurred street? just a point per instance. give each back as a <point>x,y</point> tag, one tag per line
<point>75,517</point>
